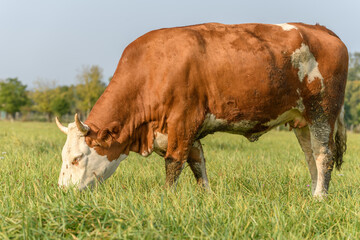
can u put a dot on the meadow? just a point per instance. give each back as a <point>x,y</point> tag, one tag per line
<point>259,191</point>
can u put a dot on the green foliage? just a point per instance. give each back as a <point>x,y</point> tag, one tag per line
<point>51,100</point>
<point>352,93</point>
<point>12,95</point>
<point>259,191</point>
<point>352,103</point>
<point>354,66</point>
<point>64,101</point>
<point>60,106</point>
<point>90,87</point>
<point>43,96</point>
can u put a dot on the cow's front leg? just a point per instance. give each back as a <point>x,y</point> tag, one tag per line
<point>173,169</point>
<point>196,161</point>
<point>181,132</point>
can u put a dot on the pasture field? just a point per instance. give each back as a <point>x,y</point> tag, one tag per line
<point>259,191</point>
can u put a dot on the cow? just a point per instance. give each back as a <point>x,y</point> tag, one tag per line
<point>174,86</point>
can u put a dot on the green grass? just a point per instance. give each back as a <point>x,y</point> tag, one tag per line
<point>260,190</point>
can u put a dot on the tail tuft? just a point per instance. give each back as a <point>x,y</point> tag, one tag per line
<point>340,141</point>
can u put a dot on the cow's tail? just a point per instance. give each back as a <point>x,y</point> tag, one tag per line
<point>340,140</point>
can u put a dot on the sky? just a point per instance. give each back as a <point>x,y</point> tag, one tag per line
<point>53,40</point>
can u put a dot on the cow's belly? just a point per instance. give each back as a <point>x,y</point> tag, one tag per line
<point>250,129</point>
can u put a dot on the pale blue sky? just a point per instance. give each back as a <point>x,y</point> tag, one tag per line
<point>52,40</point>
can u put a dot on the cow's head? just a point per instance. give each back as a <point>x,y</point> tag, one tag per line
<point>84,163</point>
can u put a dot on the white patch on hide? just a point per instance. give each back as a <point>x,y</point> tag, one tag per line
<point>160,143</point>
<point>342,112</point>
<point>299,103</point>
<point>211,124</point>
<point>99,167</point>
<point>286,26</point>
<point>243,125</point>
<point>145,153</point>
<point>305,61</point>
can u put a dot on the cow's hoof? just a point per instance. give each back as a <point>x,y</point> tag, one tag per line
<point>320,196</point>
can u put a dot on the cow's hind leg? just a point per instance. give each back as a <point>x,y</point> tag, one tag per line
<point>303,136</point>
<point>196,161</point>
<point>322,145</point>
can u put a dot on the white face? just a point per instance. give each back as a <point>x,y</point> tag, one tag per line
<point>83,166</point>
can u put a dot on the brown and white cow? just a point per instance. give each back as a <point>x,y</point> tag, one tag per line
<point>174,86</point>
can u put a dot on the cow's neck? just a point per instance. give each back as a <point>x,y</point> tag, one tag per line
<point>110,107</point>
<point>120,103</point>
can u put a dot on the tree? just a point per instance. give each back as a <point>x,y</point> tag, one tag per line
<point>12,96</point>
<point>354,66</point>
<point>352,103</point>
<point>43,96</point>
<point>62,101</point>
<point>90,87</point>
<point>352,93</point>
<point>60,106</point>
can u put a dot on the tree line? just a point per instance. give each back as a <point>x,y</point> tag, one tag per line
<point>352,93</point>
<point>48,100</point>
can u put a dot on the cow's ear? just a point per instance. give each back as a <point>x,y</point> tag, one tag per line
<point>103,134</point>
<point>110,133</point>
<point>104,138</point>
<point>114,129</point>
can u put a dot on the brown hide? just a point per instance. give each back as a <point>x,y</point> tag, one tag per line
<point>169,79</point>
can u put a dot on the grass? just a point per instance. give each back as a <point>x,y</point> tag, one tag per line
<point>260,190</point>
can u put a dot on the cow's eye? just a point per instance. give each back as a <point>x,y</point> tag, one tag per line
<point>76,160</point>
